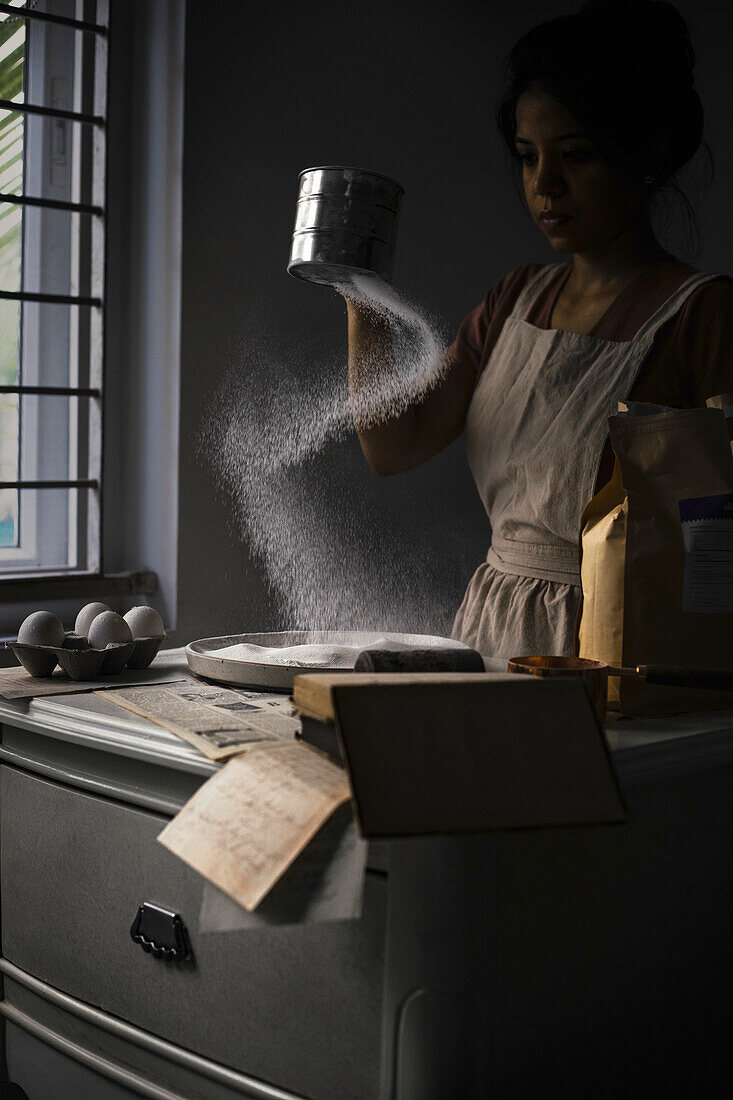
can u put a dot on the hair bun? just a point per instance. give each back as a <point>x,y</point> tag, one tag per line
<point>654,39</point>
<point>654,29</point>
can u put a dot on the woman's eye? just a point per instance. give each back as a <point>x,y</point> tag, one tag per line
<point>574,156</point>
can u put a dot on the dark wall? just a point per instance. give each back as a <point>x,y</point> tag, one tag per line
<point>407,89</point>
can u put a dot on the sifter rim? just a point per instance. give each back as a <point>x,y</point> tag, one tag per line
<point>350,168</point>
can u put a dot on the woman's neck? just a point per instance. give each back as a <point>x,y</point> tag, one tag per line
<point>608,269</point>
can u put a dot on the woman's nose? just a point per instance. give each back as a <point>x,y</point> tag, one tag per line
<point>548,180</point>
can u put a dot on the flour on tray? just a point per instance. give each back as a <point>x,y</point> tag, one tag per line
<point>313,655</point>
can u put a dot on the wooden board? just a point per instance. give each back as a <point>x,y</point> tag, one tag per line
<point>312,692</point>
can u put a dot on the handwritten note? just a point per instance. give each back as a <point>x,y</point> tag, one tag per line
<point>247,824</point>
<point>325,883</point>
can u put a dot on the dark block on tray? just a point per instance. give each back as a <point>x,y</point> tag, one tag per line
<point>419,660</point>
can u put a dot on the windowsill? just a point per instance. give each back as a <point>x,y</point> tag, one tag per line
<point>74,585</point>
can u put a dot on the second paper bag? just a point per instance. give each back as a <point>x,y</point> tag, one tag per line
<point>657,556</point>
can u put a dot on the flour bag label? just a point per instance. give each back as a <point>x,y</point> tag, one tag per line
<point>707,532</point>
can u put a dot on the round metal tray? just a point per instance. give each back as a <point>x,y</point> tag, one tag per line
<point>202,658</point>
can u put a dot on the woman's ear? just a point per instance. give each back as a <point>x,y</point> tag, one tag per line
<point>656,159</point>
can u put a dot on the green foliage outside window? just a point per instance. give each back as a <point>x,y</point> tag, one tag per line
<point>12,52</point>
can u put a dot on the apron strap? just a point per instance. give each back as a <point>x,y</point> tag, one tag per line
<point>532,289</point>
<point>668,309</point>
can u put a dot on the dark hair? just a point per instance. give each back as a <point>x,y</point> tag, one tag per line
<point>625,69</point>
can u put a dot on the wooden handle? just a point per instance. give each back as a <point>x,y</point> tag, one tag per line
<point>713,679</point>
<point>635,672</point>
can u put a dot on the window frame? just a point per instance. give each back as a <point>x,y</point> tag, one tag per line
<point>52,431</point>
<point>60,385</point>
<point>138,520</point>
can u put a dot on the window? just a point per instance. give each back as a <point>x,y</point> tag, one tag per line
<point>61,223</point>
<point>53,68</point>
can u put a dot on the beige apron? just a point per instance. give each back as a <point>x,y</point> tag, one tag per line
<point>535,433</point>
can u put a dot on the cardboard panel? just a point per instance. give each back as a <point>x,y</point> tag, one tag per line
<point>503,754</point>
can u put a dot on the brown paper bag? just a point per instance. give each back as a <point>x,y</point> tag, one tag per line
<point>724,401</point>
<point>657,556</point>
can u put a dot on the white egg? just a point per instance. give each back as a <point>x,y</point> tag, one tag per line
<point>145,622</point>
<point>41,628</point>
<point>86,617</point>
<point>107,628</point>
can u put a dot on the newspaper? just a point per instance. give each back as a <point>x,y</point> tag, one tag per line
<point>325,883</point>
<point>16,683</point>
<point>219,722</point>
<point>247,824</point>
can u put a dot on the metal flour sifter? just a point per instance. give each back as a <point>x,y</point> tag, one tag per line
<point>345,224</point>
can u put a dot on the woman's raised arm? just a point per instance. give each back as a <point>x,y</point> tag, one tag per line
<point>393,437</point>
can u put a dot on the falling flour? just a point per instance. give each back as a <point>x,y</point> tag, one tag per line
<point>341,549</point>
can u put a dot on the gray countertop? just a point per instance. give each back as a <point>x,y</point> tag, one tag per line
<point>642,748</point>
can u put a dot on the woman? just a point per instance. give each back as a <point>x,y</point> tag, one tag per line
<point>600,114</point>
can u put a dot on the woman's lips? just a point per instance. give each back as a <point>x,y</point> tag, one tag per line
<point>552,221</point>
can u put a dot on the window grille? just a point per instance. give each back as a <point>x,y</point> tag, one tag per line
<point>53,135</point>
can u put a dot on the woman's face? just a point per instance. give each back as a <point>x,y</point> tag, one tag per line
<point>587,203</point>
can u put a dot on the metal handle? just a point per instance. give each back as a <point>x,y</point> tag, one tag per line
<point>161,933</point>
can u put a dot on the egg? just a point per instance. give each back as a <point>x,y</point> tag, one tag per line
<point>41,628</point>
<point>108,628</point>
<point>86,617</point>
<point>145,622</point>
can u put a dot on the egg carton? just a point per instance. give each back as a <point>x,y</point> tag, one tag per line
<point>80,662</point>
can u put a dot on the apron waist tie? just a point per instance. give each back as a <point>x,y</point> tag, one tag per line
<point>542,562</point>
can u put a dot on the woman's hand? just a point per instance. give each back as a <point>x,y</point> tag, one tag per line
<point>393,438</point>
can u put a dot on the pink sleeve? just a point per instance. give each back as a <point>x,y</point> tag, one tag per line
<point>467,350</point>
<point>480,330</point>
<point>705,340</point>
